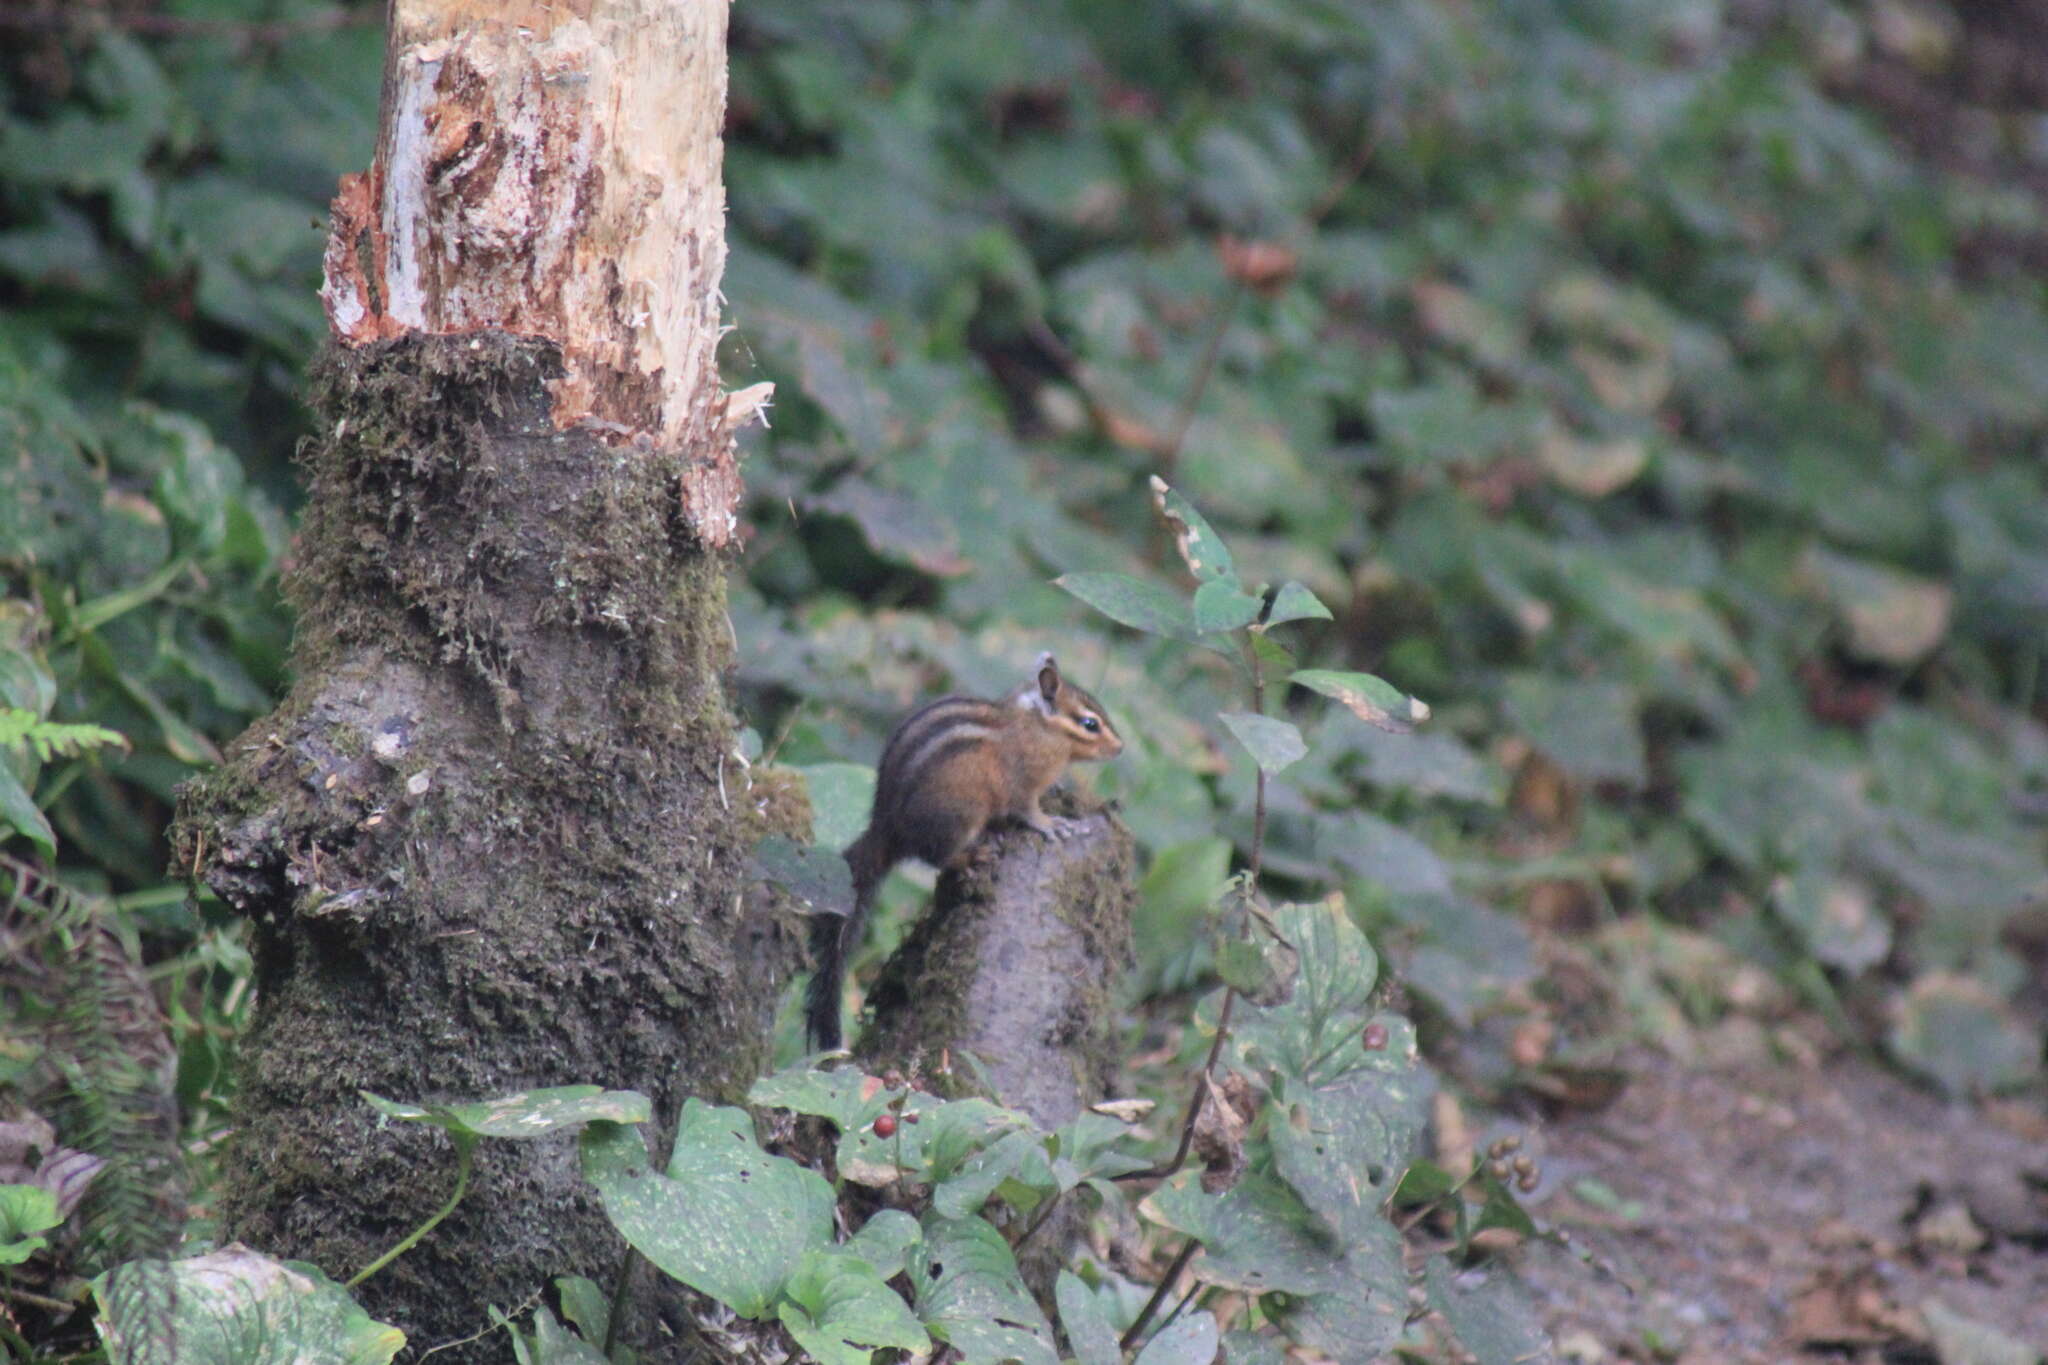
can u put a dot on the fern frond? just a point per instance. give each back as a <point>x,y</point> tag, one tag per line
<point>50,739</point>
<point>106,1067</point>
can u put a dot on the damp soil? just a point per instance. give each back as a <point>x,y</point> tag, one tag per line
<point>1765,1212</point>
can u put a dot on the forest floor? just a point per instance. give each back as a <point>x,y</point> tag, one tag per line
<point>1764,1212</point>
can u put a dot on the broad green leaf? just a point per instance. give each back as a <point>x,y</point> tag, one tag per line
<point>1201,549</point>
<point>1423,1182</point>
<point>841,1310</point>
<point>1370,699</point>
<point>1094,1145</point>
<point>971,1296</point>
<point>1133,602</point>
<point>1221,605</point>
<point>898,526</point>
<point>841,794</point>
<point>1244,967</point>
<point>849,1099</point>
<point>961,1194</point>
<point>1190,1339</point>
<point>885,1240</point>
<point>1341,1146</point>
<point>1491,1313</point>
<point>1088,1327</point>
<point>1295,603</point>
<point>1273,744</point>
<point>1275,659</point>
<point>26,1211</point>
<point>1384,854</point>
<point>18,810</point>
<point>235,1305</point>
<point>529,1114</point>
<point>585,1305</point>
<point>1354,1325</point>
<point>1256,1236</point>
<point>554,1344</point>
<point>1589,729</point>
<point>1252,1348</point>
<point>813,873</point>
<point>1957,1033</point>
<point>727,1219</point>
<point>1315,1037</point>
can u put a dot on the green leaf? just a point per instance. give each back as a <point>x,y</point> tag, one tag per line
<point>235,1305</point>
<point>1244,967</point>
<point>812,873</point>
<point>1371,699</point>
<point>1256,1236</point>
<point>1190,1339</point>
<point>1275,659</point>
<point>585,1305</point>
<point>1273,744</point>
<point>18,810</point>
<point>849,1099</point>
<point>1423,1182</point>
<point>554,1344</point>
<point>51,740</point>
<point>885,1240</point>
<point>1252,1348</point>
<point>1221,605</point>
<point>1489,1311</point>
<point>727,1219</point>
<point>962,1194</point>
<point>528,1114</point>
<point>1959,1034</point>
<point>25,1212</point>
<point>1088,1327</point>
<point>1295,603</point>
<point>1133,602</point>
<point>971,1296</point>
<point>1315,1037</point>
<point>841,1311</point>
<point>1587,728</point>
<point>1201,549</point>
<point>841,794</point>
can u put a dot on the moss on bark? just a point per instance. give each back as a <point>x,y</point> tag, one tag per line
<point>490,840</point>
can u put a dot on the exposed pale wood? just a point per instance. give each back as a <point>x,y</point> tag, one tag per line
<point>553,170</point>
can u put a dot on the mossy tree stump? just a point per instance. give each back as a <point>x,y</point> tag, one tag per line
<point>491,840</point>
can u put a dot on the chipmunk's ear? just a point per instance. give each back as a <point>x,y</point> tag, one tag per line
<point>1048,677</point>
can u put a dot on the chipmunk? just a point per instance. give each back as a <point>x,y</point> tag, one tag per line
<point>948,771</point>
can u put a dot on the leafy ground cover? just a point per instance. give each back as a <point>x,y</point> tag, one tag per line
<point>1657,390</point>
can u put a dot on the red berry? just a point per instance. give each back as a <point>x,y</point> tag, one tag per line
<point>885,1125</point>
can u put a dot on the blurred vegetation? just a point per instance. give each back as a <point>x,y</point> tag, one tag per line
<point>1657,389</point>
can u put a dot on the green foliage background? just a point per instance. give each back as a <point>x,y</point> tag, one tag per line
<point>1637,396</point>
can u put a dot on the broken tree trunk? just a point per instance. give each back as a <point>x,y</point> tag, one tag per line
<point>491,841</point>
<point>1017,962</point>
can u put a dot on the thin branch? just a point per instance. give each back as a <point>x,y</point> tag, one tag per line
<point>1180,1263</point>
<point>1204,368</point>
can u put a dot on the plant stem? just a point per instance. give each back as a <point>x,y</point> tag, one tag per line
<point>464,1146</point>
<point>1180,1263</point>
<point>1206,366</point>
<point>1203,1081</point>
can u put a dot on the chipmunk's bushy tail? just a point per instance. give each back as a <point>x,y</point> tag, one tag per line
<point>834,937</point>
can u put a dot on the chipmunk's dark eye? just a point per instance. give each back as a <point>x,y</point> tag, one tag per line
<point>1090,724</point>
